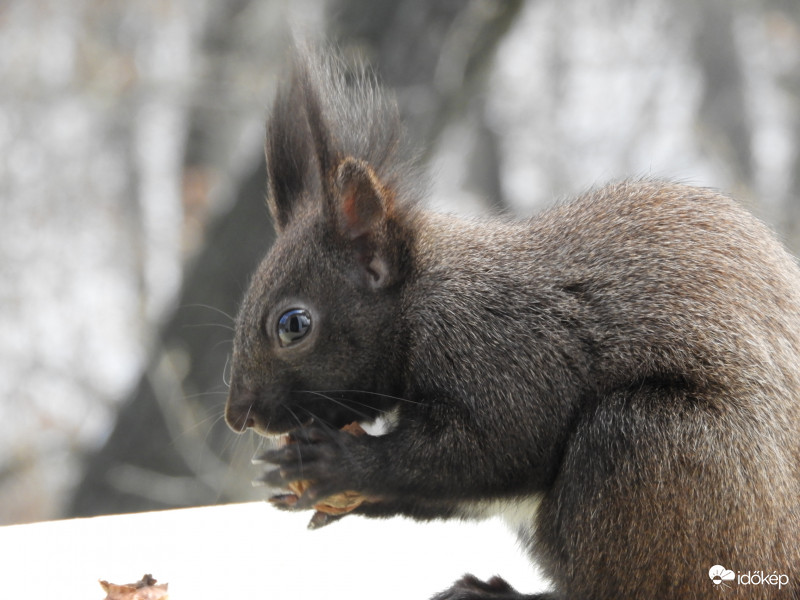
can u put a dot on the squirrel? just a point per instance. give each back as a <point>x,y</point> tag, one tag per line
<point>618,377</point>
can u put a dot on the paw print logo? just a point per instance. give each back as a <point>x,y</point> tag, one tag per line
<point>718,574</point>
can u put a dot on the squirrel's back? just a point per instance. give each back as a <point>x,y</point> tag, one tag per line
<point>637,283</point>
<point>657,279</point>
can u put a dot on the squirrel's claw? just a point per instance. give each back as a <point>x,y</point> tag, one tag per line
<point>284,501</point>
<point>323,459</point>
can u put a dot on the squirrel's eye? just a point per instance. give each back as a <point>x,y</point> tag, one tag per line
<point>293,325</point>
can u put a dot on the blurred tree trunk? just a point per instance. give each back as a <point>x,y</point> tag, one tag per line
<point>165,449</point>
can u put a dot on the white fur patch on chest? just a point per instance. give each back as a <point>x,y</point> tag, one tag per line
<point>519,514</point>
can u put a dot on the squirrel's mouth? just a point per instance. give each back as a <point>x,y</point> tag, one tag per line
<point>329,409</point>
<point>284,420</point>
<point>384,423</point>
<point>271,411</point>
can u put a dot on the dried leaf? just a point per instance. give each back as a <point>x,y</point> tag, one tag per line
<point>145,589</point>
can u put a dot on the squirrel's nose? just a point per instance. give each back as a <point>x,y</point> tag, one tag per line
<point>238,421</point>
<point>240,413</point>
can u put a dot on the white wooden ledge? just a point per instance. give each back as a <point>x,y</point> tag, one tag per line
<point>255,551</point>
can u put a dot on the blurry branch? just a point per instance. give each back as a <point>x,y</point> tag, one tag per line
<point>461,74</point>
<point>156,437</point>
<point>467,55</point>
<point>723,115</point>
<point>186,428</point>
<point>436,56</point>
<point>788,11</point>
<point>154,488</point>
<point>170,446</point>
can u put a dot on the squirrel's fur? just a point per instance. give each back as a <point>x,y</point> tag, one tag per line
<point>627,362</point>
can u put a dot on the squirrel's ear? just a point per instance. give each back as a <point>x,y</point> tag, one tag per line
<point>360,200</point>
<point>361,206</point>
<point>289,150</point>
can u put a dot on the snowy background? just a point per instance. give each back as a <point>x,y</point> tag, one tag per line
<point>130,136</point>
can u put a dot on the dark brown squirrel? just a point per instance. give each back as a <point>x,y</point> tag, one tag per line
<point>619,377</point>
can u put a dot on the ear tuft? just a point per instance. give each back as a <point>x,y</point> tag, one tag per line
<point>288,151</point>
<point>362,202</point>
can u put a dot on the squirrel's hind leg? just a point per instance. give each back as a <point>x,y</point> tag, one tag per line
<point>470,587</point>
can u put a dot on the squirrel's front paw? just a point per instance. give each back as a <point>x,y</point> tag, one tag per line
<point>316,464</point>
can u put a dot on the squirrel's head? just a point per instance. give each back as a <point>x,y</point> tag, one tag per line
<point>318,335</point>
